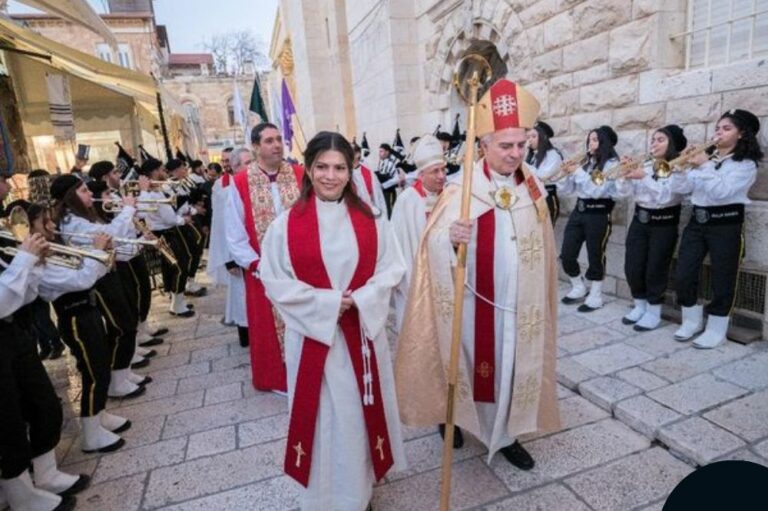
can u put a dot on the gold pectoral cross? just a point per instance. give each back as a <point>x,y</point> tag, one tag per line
<point>504,198</point>
<point>380,447</point>
<point>299,453</point>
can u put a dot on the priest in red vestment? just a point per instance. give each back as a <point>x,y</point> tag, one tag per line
<point>260,193</point>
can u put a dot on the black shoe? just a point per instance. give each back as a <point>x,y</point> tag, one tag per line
<point>242,333</point>
<point>458,438</point>
<point>125,427</point>
<point>197,294</point>
<point>68,503</point>
<point>81,484</point>
<point>136,393</point>
<point>188,314</point>
<point>154,341</point>
<point>140,364</point>
<point>159,332</point>
<point>586,308</point>
<point>146,381</point>
<point>625,321</point>
<point>57,352</point>
<point>518,456</point>
<point>150,354</point>
<point>110,448</point>
<point>638,328</point>
<point>570,301</point>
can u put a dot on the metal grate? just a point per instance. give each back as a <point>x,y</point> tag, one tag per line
<point>750,290</point>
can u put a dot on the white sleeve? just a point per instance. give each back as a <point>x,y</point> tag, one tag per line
<point>310,311</point>
<point>550,166</point>
<point>237,237</point>
<point>720,185</point>
<point>19,283</point>
<point>58,280</point>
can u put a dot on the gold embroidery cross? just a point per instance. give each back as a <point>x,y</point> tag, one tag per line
<point>380,446</point>
<point>529,392</point>
<point>485,369</point>
<point>530,248</point>
<point>299,453</point>
<point>530,323</point>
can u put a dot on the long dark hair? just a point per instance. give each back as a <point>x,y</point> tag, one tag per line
<point>330,141</point>
<point>545,144</point>
<point>605,149</point>
<point>747,147</point>
<point>71,204</point>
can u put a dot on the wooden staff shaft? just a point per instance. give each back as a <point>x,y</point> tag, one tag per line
<point>458,303</point>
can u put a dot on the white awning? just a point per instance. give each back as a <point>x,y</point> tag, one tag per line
<point>78,12</point>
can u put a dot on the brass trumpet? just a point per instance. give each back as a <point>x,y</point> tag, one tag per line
<point>111,205</point>
<point>17,229</point>
<point>58,260</point>
<point>567,168</point>
<point>116,241</point>
<point>160,244</point>
<point>132,185</point>
<point>663,169</point>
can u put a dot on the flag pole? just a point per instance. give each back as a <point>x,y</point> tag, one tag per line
<point>480,72</point>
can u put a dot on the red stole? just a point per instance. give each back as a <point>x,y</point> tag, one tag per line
<point>368,179</point>
<point>419,187</point>
<point>267,364</point>
<point>485,314</point>
<point>225,179</point>
<point>306,259</point>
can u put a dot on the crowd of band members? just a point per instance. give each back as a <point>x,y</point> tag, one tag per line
<point>102,312</point>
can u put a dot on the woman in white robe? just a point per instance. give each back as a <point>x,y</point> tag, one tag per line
<point>342,468</point>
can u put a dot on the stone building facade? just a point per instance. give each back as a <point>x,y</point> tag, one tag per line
<point>589,62</point>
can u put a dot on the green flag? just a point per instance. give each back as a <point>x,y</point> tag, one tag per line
<point>257,103</point>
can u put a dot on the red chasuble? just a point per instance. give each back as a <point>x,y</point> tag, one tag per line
<point>267,363</point>
<point>307,261</point>
<point>368,179</point>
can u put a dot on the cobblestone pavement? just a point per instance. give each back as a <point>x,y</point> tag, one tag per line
<point>639,412</point>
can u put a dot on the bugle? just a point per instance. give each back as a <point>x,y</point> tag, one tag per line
<point>567,168</point>
<point>161,245</point>
<point>17,230</point>
<point>664,169</point>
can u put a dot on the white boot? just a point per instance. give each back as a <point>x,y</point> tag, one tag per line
<point>136,358</point>
<point>23,496</point>
<point>714,335</point>
<point>692,324</point>
<point>96,438</point>
<point>636,313</point>
<point>179,306</point>
<point>650,320</point>
<point>595,299</point>
<point>121,386</point>
<point>113,423</point>
<point>48,477</point>
<point>578,291</point>
<point>192,286</point>
<point>144,352</point>
<point>142,333</point>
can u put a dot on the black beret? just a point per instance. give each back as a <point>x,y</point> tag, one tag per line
<point>544,128</point>
<point>675,135</point>
<point>745,119</point>
<point>149,166</point>
<point>443,136</point>
<point>63,184</point>
<point>97,187</point>
<point>173,164</point>
<point>386,147</point>
<point>610,134</point>
<point>101,169</point>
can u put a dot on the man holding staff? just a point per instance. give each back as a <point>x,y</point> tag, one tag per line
<point>506,367</point>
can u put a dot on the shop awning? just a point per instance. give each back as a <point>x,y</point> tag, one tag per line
<point>78,12</point>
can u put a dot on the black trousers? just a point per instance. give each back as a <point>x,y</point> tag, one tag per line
<point>592,226</point>
<point>725,245</point>
<point>43,326</point>
<point>30,410</point>
<point>553,203</point>
<point>390,195</point>
<point>82,328</point>
<point>648,255</point>
<point>112,298</point>
<point>175,275</point>
<point>135,277</point>
<point>195,244</point>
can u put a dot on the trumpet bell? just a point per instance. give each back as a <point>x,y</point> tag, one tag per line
<point>18,223</point>
<point>662,169</point>
<point>598,178</point>
<point>472,69</point>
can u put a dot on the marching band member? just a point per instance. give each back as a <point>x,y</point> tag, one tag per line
<point>194,241</point>
<point>31,419</point>
<point>81,324</point>
<point>545,162</point>
<point>718,188</point>
<point>389,176</point>
<point>76,215</point>
<point>166,223</point>
<point>652,235</point>
<point>590,220</point>
<point>135,273</point>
